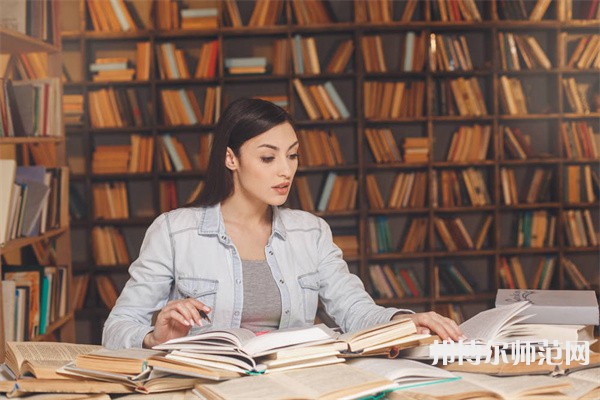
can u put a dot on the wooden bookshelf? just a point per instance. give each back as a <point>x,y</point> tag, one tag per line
<point>548,109</point>
<point>17,252</point>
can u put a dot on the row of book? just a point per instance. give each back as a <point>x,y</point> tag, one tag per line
<point>586,53</point>
<point>512,277</point>
<point>451,230</point>
<point>512,45</point>
<point>385,150</point>
<point>577,95</point>
<point>30,108</point>
<point>391,100</point>
<point>450,279</point>
<point>168,198</point>
<point>172,62</point>
<point>109,246</point>
<point>338,194</point>
<point>173,156</point>
<point>319,148</point>
<point>110,200</point>
<point>470,143</point>
<point>33,297</point>
<point>321,101</point>
<point>409,190</point>
<point>579,228</point>
<point>579,140</point>
<point>536,229</point>
<point>24,66</point>
<point>182,106</point>
<point>446,53</point>
<point>581,184</point>
<point>118,108</point>
<point>449,53</point>
<point>34,200</point>
<point>538,187</point>
<point>390,282</point>
<point>171,14</point>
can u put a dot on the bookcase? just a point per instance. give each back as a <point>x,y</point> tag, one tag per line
<point>35,252</point>
<point>488,135</point>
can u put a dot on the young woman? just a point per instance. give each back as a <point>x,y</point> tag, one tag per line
<point>234,258</point>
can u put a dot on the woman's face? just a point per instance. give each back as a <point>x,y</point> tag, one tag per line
<point>267,164</point>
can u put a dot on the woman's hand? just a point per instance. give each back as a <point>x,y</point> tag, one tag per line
<point>431,321</point>
<point>175,320</point>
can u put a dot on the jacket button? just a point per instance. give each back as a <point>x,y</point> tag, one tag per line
<point>271,253</point>
<point>223,237</point>
<point>236,313</point>
<point>281,281</point>
<point>287,311</point>
<point>238,281</point>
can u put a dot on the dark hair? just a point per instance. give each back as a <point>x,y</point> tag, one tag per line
<point>241,120</point>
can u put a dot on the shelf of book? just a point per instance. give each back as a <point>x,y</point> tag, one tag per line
<point>35,248</point>
<point>476,194</point>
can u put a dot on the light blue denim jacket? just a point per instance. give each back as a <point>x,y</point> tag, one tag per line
<point>187,253</point>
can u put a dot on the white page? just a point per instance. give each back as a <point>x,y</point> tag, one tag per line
<point>488,324</point>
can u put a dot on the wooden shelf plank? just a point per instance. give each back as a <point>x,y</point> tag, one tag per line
<point>12,42</point>
<point>16,244</point>
<point>53,328</point>
<point>31,140</point>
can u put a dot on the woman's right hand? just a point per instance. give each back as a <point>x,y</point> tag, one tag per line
<point>175,320</point>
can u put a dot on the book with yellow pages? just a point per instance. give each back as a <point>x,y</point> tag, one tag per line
<point>478,386</point>
<point>337,381</point>
<point>41,359</point>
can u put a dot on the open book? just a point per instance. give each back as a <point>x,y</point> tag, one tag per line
<point>483,330</point>
<point>383,339</point>
<point>337,381</point>
<point>41,359</point>
<point>226,354</point>
<point>406,373</point>
<point>472,386</point>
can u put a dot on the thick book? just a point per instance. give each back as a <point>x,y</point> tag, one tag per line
<point>563,307</point>
<point>41,359</point>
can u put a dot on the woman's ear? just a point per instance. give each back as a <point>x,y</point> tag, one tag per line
<point>231,161</point>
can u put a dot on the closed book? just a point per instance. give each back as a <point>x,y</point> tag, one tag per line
<point>562,307</point>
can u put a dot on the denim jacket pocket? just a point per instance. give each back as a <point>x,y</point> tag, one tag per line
<point>203,290</point>
<point>310,294</point>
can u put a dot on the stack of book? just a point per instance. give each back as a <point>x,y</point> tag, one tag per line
<point>246,65</point>
<point>111,159</point>
<point>416,149</point>
<point>111,69</point>
<point>73,109</point>
<point>199,18</point>
<point>109,247</point>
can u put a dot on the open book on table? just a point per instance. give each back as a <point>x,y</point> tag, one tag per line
<point>406,373</point>
<point>476,386</point>
<point>41,359</point>
<point>337,381</point>
<point>485,329</point>
<point>226,354</point>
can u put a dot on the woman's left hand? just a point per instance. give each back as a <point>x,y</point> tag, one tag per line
<point>431,321</point>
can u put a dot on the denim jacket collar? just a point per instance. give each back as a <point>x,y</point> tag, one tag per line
<point>212,223</point>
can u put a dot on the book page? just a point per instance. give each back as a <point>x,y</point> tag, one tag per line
<point>262,344</point>
<point>42,358</point>
<point>335,380</point>
<point>400,370</point>
<point>458,389</point>
<point>488,324</point>
<point>516,386</point>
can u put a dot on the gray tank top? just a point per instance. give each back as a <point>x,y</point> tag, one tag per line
<point>262,299</point>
